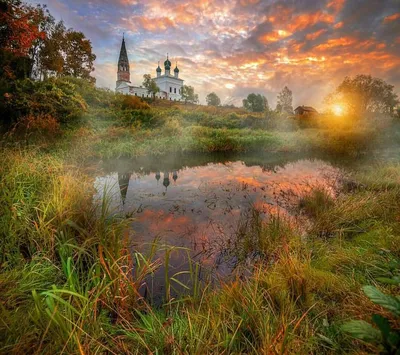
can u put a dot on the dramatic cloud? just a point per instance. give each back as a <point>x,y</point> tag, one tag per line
<point>243,46</point>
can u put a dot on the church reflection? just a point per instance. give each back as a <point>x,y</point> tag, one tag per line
<point>123,182</point>
<point>124,178</point>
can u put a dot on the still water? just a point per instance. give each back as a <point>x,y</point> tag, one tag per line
<point>196,203</point>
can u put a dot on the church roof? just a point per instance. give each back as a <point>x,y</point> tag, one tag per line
<point>123,55</point>
<point>167,63</point>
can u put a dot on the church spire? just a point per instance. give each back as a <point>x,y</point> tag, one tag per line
<point>123,63</point>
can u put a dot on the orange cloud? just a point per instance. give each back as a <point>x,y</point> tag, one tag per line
<point>337,42</point>
<point>391,18</point>
<point>303,21</point>
<point>156,24</point>
<point>245,3</point>
<point>274,36</point>
<point>336,5</point>
<point>338,25</point>
<point>314,35</point>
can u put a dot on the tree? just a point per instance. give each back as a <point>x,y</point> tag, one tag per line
<point>212,99</point>
<point>78,56</point>
<point>285,101</point>
<point>255,103</point>
<point>188,94</point>
<point>33,45</point>
<point>150,85</point>
<point>18,32</point>
<point>51,59</point>
<point>363,93</point>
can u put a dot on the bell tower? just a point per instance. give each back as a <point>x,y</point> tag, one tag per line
<point>123,65</point>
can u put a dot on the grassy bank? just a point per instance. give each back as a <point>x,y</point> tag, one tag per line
<point>69,114</point>
<point>66,280</point>
<point>66,283</point>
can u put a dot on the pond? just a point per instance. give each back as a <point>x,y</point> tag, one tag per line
<point>196,204</point>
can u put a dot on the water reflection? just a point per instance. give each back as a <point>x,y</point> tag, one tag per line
<point>198,206</point>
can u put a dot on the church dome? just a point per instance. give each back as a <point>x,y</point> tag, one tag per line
<point>176,70</point>
<point>158,70</point>
<point>167,64</point>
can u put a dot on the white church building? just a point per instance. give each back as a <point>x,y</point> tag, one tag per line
<point>170,85</point>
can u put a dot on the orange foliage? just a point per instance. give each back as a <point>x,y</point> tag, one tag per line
<point>20,23</point>
<point>43,126</point>
<point>134,103</point>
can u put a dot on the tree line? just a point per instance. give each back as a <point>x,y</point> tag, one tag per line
<point>259,103</point>
<point>358,95</point>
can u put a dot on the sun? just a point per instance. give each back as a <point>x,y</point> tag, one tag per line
<point>338,110</point>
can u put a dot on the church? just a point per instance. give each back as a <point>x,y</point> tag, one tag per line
<point>170,85</point>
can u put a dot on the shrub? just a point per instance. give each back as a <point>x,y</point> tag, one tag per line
<point>195,116</point>
<point>94,97</point>
<point>54,97</point>
<point>129,102</point>
<point>36,127</point>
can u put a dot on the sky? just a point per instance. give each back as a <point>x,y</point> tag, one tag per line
<point>236,47</point>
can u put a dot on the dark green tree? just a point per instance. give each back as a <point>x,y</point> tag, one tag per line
<point>256,103</point>
<point>212,99</point>
<point>150,85</point>
<point>188,94</point>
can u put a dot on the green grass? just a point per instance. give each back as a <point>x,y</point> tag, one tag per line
<point>66,284</point>
<point>66,280</point>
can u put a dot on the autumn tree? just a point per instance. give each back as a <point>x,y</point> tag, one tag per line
<point>285,101</point>
<point>33,43</point>
<point>363,93</point>
<point>212,99</point>
<point>188,94</point>
<point>150,85</point>
<point>78,55</point>
<point>256,103</point>
<point>18,32</point>
<point>51,58</point>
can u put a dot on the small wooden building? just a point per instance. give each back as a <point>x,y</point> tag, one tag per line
<point>305,110</point>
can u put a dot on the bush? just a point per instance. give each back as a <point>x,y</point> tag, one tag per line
<point>36,127</point>
<point>129,102</point>
<point>94,97</point>
<point>54,97</point>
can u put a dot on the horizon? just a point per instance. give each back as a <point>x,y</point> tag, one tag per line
<point>236,48</point>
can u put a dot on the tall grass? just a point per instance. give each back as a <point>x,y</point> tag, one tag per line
<point>69,281</point>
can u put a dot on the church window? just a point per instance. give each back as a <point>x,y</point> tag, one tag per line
<point>174,90</point>
<point>170,89</point>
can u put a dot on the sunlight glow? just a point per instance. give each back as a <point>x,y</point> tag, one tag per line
<point>338,110</point>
